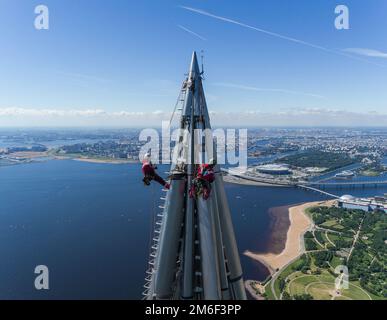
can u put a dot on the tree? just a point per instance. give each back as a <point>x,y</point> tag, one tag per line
<point>286,296</point>
<point>282,284</point>
<point>305,296</point>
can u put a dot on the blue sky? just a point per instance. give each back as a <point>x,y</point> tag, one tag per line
<point>122,62</point>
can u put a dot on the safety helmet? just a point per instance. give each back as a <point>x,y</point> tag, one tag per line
<point>180,161</point>
<point>147,157</point>
<point>212,162</point>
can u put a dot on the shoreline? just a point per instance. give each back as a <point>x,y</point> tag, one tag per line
<point>255,289</point>
<point>294,247</point>
<point>107,161</point>
<point>28,157</point>
<point>241,181</point>
<point>279,226</point>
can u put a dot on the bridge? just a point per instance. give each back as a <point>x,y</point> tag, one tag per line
<point>349,183</point>
<point>317,190</point>
<point>309,186</point>
<point>316,184</point>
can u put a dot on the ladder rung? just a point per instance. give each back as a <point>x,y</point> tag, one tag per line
<point>161,207</point>
<point>160,215</point>
<point>157,239</point>
<point>147,285</point>
<point>162,198</point>
<point>155,247</point>
<point>158,231</point>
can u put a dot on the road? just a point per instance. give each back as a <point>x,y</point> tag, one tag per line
<point>355,239</point>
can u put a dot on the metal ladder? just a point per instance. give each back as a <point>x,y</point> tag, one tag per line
<point>153,248</point>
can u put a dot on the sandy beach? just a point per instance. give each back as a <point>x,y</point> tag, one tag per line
<point>299,224</point>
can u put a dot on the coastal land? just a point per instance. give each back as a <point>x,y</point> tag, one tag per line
<point>106,161</point>
<point>28,156</point>
<point>299,224</point>
<point>243,181</point>
<point>323,241</point>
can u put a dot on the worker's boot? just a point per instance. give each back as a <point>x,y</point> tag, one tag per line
<point>206,193</point>
<point>146,181</point>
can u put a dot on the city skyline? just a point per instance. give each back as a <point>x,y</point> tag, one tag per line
<point>265,65</point>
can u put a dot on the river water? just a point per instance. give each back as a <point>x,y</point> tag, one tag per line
<point>90,224</point>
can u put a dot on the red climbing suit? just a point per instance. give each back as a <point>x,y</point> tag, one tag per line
<point>202,183</point>
<point>206,172</point>
<point>150,174</point>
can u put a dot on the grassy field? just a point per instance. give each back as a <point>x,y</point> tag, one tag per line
<point>322,287</point>
<point>312,275</point>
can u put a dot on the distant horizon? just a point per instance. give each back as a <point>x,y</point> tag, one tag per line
<point>53,128</point>
<point>100,118</point>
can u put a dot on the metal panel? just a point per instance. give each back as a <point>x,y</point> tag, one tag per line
<point>208,253</point>
<point>165,268</point>
<point>231,248</point>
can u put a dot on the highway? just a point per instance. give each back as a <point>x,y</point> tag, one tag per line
<point>311,186</point>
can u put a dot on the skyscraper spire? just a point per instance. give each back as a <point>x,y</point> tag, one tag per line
<point>194,253</point>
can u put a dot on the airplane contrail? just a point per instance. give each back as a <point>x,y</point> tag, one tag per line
<point>277,35</point>
<point>191,32</point>
<point>250,88</point>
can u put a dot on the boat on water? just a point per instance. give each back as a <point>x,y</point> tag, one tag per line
<point>345,175</point>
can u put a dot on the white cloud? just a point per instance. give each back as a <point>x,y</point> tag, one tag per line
<point>367,52</point>
<point>17,112</point>
<point>304,117</point>
<point>19,117</point>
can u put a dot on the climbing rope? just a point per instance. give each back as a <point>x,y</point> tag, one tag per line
<point>175,108</point>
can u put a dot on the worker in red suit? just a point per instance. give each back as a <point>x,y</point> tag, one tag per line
<point>149,171</point>
<point>205,176</point>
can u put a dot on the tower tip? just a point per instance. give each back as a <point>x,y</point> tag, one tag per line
<point>194,69</point>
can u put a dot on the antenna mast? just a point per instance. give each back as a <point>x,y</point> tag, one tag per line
<point>194,254</point>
